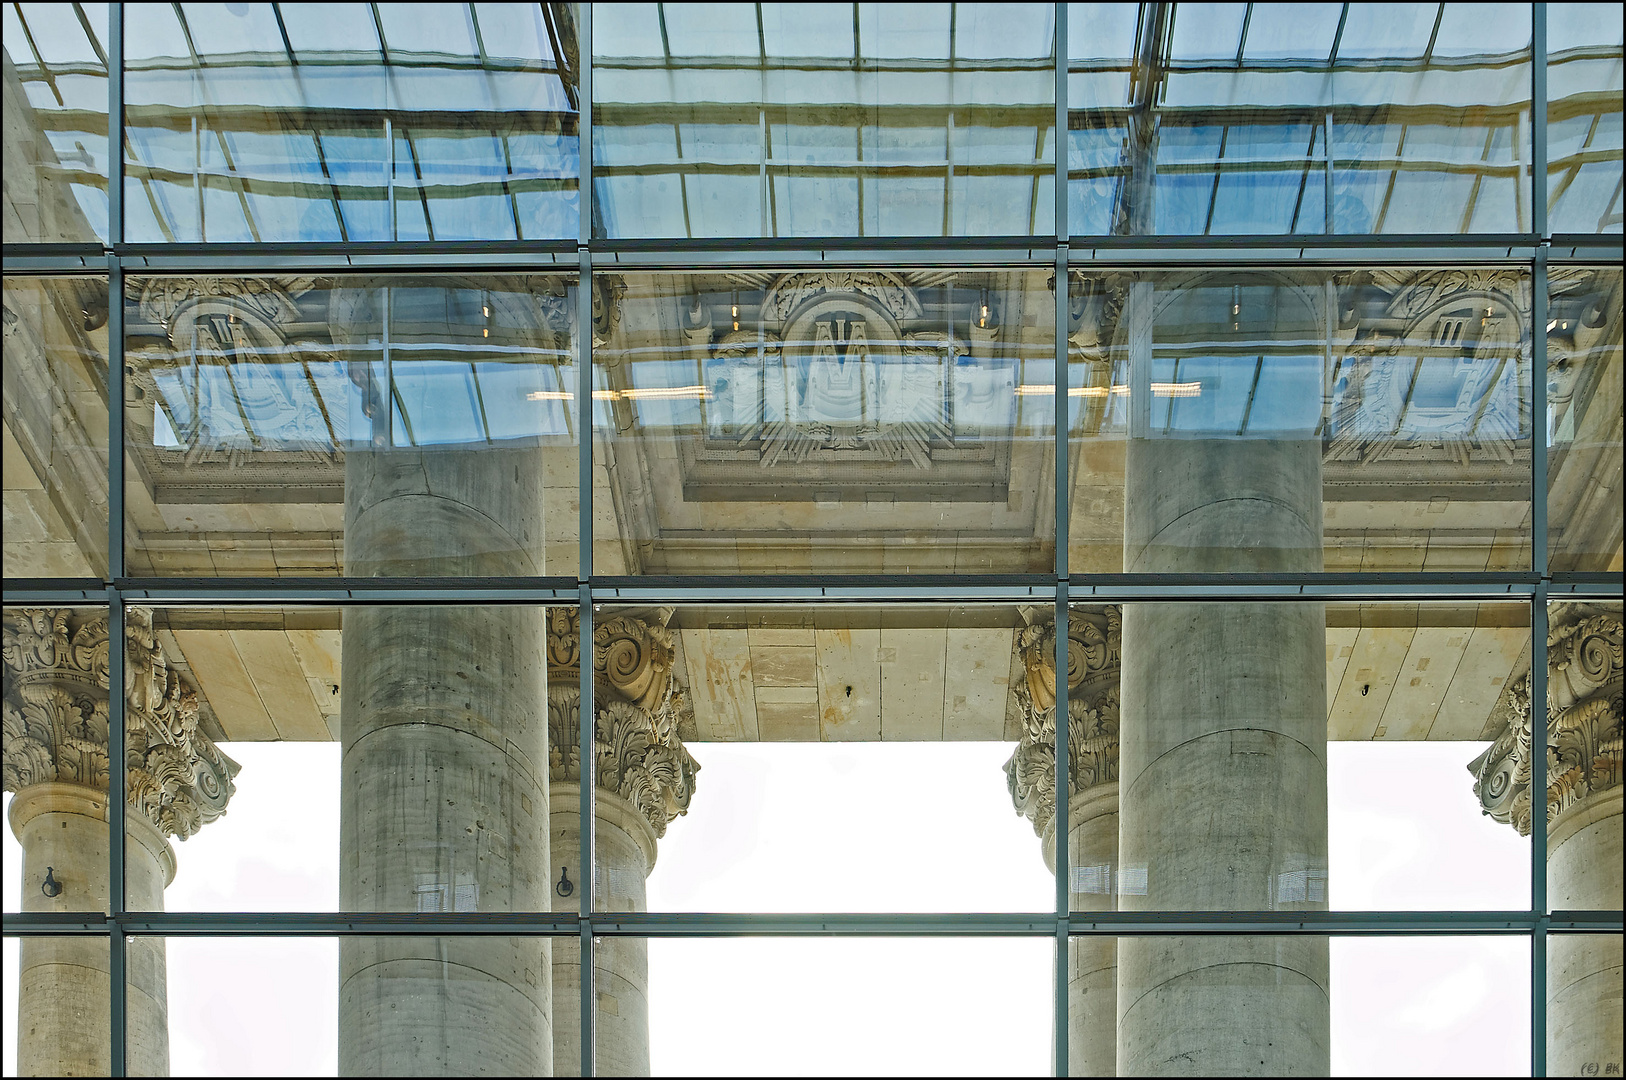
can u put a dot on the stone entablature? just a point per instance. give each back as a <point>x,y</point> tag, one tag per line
<point>638,705</point>
<point>1584,681</point>
<point>1094,644</point>
<point>56,718</point>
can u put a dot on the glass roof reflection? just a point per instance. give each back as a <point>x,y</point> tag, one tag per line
<point>349,122</point>
<point>1321,118</point>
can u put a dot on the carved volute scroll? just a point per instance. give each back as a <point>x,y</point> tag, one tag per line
<point>56,718</point>
<point>1093,670</point>
<point>1584,680</point>
<point>639,707</point>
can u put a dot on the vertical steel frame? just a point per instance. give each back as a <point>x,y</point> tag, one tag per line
<point>1063,782</point>
<point>587,716</point>
<point>590,922</point>
<point>117,780</point>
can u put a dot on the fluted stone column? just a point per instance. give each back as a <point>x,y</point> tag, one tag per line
<point>1092,803</point>
<point>645,777</point>
<point>1584,685</point>
<point>1223,790</point>
<point>56,763</point>
<point>444,791</point>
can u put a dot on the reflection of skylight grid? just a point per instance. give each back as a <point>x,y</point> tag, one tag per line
<point>1292,31</point>
<point>807,30</point>
<point>904,31</point>
<point>314,29</point>
<point>222,29</point>
<point>1207,31</point>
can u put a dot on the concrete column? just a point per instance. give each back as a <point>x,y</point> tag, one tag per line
<point>1223,767</point>
<point>1092,962</point>
<point>63,1022</point>
<point>444,790</point>
<point>625,853</point>
<point>56,762</point>
<point>644,778</point>
<point>1583,804</point>
<point>1584,974</point>
<point>1092,847</point>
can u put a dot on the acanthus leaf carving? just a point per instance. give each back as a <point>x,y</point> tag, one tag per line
<point>1094,643</point>
<point>638,707</point>
<point>1584,711</point>
<point>56,718</point>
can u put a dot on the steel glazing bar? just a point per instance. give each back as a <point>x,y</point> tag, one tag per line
<point>708,924</point>
<point>1447,586</point>
<point>587,1011</point>
<point>1538,641</point>
<point>1061,520</point>
<point>117,780</point>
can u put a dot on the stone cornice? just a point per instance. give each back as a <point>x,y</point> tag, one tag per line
<point>1584,680</point>
<point>56,718</point>
<point>638,706</point>
<point>1093,670</point>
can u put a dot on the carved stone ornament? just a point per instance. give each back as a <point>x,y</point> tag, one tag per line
<point>56,718</point>
<point>639,708</point>
<point>1094,667</point>
<point>1584,678</point>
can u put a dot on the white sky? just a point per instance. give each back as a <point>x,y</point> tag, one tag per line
<point>863,827</point>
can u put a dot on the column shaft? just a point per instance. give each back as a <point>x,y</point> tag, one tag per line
<point>444,781</point>
<point>63,982</point>
<point>1584,973</point>
<point>624,854</point>
<point>1092,982</point>
<point>1224,731</point>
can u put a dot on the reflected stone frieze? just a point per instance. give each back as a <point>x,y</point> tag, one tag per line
<point>1094,640</point>
<point>639,708</point>
<point>56,718</point>
<point>1584,683</point>
<point>842,380</point>
<point>1433,370</point>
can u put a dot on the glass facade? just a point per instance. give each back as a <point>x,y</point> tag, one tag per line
<point>543,590</point>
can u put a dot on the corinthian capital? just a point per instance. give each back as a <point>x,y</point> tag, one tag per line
<point>1093,668</point>
<point>56,718</point>
<point>638,707</point>
<point>1584,679</point>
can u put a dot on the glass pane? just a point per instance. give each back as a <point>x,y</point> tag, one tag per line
<point>1317,761</point>
<point>851,422</point>
<point>57,991</point>
<point>55,427</point>
<point>56,701</point>
<point>823,740</point>
<point>1583,1003</point>
<point>909,1007</point>
<point>1300,1006</point>
<point>718,120</point>
<point>371,427</point>
<point>56,124</point>
<point>1428,1006</point>
<point>1364,421</point>
<point>377,1005</point>
<point>438,713</point>
<point>1264,119</point>
<point>1583,118</point>
<point>350,122</point>
<point>1583,419</point>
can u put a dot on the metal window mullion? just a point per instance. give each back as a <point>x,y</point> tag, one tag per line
<point>1063,781</point>
<point>1538,658</point>
<point>587,868</point>
<point>116,807</point>
<point>1538,121</point>
<point>115,124</point>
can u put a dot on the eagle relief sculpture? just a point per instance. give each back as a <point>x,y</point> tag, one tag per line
<point>838,378</point>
